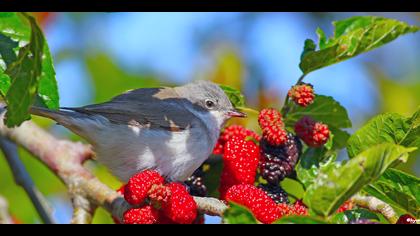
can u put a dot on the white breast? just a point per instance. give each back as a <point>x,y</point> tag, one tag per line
<point>126,150</point>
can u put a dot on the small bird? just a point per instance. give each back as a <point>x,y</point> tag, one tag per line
<point>170,130</point>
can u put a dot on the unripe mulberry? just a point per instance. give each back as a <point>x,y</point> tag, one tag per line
<point>302,94</point>
<point>298,208</point>
<point>347,205</point>
<point>138,186</point>
<point>143,215</point>
<point>256,200</point>
<point>180,207</point>
<point>277,162</point>
<point>240,164</point>
<point>272,126</point>
<point>233,131</point>
<point>314,134</point>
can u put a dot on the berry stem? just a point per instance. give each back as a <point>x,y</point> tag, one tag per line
<point>286,105</point>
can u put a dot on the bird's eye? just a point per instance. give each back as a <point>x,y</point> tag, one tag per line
<point>209,104</point>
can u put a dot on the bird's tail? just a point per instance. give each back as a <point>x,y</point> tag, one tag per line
<point>60,116</point>
<point>73,120</point>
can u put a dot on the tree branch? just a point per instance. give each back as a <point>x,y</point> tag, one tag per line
<point>5,217</point>
<point>376,205</point>
<point>66,158</point>
<point>23,179</point>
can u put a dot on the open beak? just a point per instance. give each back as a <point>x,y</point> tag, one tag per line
<point>236,113</point>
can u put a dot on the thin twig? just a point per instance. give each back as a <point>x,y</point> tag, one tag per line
<point>376,205</point>
<point>23,179</point>
<point>82,210</point>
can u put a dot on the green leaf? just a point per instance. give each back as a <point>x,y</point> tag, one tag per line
<point>7,52</point>
<point>351,215</point>
<point>398,189</point>
<point>26,69</point>
<point>299,220</point>
<point>235,96</point>
<point>324,109</point>
<point>293,187</point>
<point>25,73</point>
<point>48,88</point>
<point>339,139</point>
<point>388,127</point>
<point>237,214</point>
<point>310,46</point>
<point>312,162</point>
<point>5,82</point>
<point>352,37</point>
<point>334,186</point>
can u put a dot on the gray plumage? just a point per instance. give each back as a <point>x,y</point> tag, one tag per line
<point>172,130</point>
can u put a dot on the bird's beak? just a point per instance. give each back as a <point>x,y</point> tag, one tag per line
<point>236,113</point>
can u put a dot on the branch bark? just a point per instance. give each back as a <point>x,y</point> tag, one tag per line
<point>66,158</point>
<point>5,217</point>
<point>23,179</point>
<point>376,205</point>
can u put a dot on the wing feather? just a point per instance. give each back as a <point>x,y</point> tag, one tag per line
<point>151,107</point>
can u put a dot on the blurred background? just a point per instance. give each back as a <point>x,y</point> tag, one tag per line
<point>99,55</point>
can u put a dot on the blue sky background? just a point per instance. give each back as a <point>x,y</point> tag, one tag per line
<point>175,46</point>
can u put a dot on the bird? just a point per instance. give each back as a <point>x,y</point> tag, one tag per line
<point>171,130</point>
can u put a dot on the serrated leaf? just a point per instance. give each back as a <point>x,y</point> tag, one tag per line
<point>398,189</point>
<point>324,109</point>
<point>25,73</point>
<point>334,186</point>
<point>388,127</point>
<point>235,96</point>
<point>48,88</point>
<point>309,46</point>
<point>352,37</point>
<point>299,220</point>
<point>237,214</point>
<point>28,70</point>
<point>322,39</point>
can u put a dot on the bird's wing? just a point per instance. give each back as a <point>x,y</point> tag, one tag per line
<point>150,107</point>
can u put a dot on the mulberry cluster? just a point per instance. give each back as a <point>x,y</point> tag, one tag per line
<point>157,202</point>
<point>313,133</point>
<point>261,205</point>
<point>277,162</point>
<point>275,192</point>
